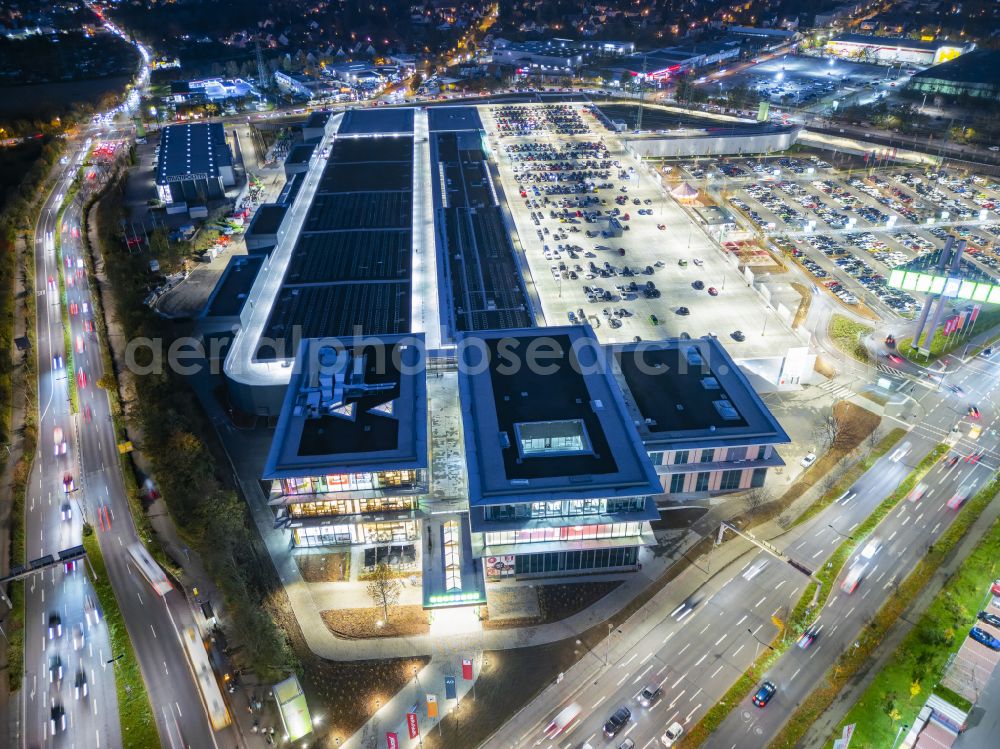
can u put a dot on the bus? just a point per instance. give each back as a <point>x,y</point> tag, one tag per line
<point>150,570</point>
<point>208,685</point>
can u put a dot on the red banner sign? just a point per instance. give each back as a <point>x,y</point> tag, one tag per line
<point>392,740</point>
<point>411,725</point>
<point>467,669</point>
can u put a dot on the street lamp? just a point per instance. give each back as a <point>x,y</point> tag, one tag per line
<point>901,729</point>
<point>759,643</point>
<point>607,647</point>
<point>842,535</point>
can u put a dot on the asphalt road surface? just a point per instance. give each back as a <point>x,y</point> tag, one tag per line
<point>695,652</point>
<point>153,623</point>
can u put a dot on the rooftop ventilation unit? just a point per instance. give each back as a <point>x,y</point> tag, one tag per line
<point>726,410</point>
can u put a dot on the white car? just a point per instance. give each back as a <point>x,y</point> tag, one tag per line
<point>754,569</point>
<point>807,460</point>
<point>873,547</point>
<point>78,636</point>
<point>67,511</point>
<point>59,443</point>
<point>670,736</point>
<point>91,612</point>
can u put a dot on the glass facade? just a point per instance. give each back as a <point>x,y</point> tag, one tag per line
<point>677,482</point>
<point>565,561</point>
<point>563,509</point>
<point>730,480</point>
<point>701,483</point>
<point>356,533</point>
<point>563,533</point>
<point>331,507</point>
<point>352,482</point>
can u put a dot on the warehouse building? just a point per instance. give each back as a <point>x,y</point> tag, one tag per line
<point>887,50</point>
<point>975,74</point>
<point>195,163</point>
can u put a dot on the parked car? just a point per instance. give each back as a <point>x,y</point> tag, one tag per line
<point>984,638</point>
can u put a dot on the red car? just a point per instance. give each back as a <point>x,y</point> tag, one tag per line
<point>81,378</point>
<point>895,358</point>
<point>712,291</point>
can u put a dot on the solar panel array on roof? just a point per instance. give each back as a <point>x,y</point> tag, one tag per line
<point>195,148</point>
<point>349,272</point>
<point>371,121</point>
<point>386,210</point>
<point>453,118</point>
<point>485,280</point>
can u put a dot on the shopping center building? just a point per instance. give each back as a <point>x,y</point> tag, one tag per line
<point>387,267</point>
<point>348,460</point>
<point>559,481</point>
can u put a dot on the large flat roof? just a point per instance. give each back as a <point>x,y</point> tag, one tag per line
<point>486,283</point>
<point>551,426</point>
<point>977,66</point>
<point>349,270</point>
<point>352,406</point>
<point>370,121</point>
<point>197,148</point>
<point>230,292</point>
<point>892,42</point>
<point>453,118</point>
<point>689,393</point>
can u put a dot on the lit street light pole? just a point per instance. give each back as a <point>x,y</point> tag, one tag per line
<point>759,643</point>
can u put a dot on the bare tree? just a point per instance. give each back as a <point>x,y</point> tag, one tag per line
<point>833,429</point>
<point>384,589</point>
<point>756,497</point>
<point>872,440</point>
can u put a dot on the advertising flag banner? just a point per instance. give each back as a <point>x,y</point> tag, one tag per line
<point>975,313</point>
<point>411,725</point>
<point>467,669</point>
<point>450,693</point>
<point>392,740</point>
<point>432,706</point>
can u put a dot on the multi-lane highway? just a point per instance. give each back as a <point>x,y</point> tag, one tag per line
<point>696,649</point>
<point>79,452</point>
<point>64,649</point>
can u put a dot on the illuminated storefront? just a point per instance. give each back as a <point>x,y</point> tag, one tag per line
<point>564,533</point>
<point>381,481</point>
<point>345,534</point>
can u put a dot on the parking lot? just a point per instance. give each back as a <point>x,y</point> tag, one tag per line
<point>605,243</point>
<point>848,230</point>
<point>814,83</point>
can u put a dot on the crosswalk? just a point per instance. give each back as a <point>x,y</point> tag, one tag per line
<point>835,389</point>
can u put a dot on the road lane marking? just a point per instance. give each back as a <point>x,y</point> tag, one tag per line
<point>794,675</point>
<point>719,641</point>
<point>693,710</point>
<point>701,660</point>
<point>738,650</point>
<point>679,680</point>
<point>760,602</point>
<point>643,673</point>
<point>716,672</point>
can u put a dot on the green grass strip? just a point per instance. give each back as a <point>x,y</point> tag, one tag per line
<point>803,613</point>
<point>135,712</point>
